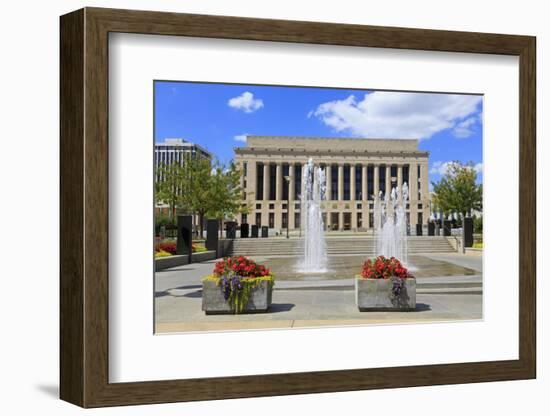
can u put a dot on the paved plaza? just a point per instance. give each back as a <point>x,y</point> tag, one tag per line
<point>449,288</point>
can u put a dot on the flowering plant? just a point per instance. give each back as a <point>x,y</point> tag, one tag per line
<point>383,268</point>
<point>386,268</point>
<point>241,267</point>
<point>237,276</point>
<point>168,246</point>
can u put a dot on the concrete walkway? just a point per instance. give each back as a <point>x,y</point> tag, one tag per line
<point>178,297</point>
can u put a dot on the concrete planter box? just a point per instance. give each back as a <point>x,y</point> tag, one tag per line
<point>213,301</point>
<point>376,295</point>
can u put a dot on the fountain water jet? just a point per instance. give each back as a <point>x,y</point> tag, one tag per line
<point>390,222</point>
<point>314,259</point>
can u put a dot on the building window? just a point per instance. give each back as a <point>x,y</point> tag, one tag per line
<point>382,179</point>
<point>359,183</point>
<point>346,206</point>
<point>297,180</point>
<point>420,218</point>
<point>296,206</point>
<point>406,175</point>
<point>370,182</point>
<point>284,217</point>
<point>359,206</point>
<point>272,181</point>
<point>419,206</point>
<point>245,168</point>
<point>359,220</point>
<point>285,206</point>
<point>271,220</point>
<point>244,218</point>
<point>271,206</point>
<point>258,206</point>
<point>335,221</point>
<point>260,181</point>
<point>286,183</point>
<point>297,220</point>
<point>347,182</point>
<point>259,219</point>
<point>371,220</point>
<point>334,182</point>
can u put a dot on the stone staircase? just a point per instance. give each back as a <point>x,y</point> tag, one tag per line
<point>277,246</point>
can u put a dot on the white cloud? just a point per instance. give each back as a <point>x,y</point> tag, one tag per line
<point>246,102</point>
<point>384,114</point>
<point>440,168</point>
<point>464,128</point>
<point>240,138</point>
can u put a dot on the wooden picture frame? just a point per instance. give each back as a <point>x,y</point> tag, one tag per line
<point>84,207</point>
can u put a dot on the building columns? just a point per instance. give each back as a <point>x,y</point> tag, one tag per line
<point>328,176</point>
<point>388,179</point>
<point>376,181</point>
<point>266,181</point>
<point>413,195</point>
<point>291,183</point>
<point>364,184</point>
<point>400,176</point>
<point>341,182</point>
<point>279,181</point>
<point>352,183</point>
<point>251,178</point>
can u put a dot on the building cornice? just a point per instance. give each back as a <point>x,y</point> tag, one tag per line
<point>255,151</point>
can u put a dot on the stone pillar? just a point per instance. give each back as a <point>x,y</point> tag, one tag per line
<point>251,172</point>
<point>291,182</point>
<point>413,195</point>
<point>212,235</point>
<point>185,238</point>
<point>279,182</point>
<point>364,184</point>
<point>290,208</point>
<point>266,181</point>
<point>353,220</point>
<point>352,183</point>
<point>388,179</point>
<point>400,176</point>
<point>341,182</point>
<point>425,192</point>
<point>328,175</point>
<point>376,181</point>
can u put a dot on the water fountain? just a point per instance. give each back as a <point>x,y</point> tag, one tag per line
<point>390,222</point>
<point>314,259</point>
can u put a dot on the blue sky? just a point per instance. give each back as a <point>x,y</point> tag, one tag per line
<point>217,116</point>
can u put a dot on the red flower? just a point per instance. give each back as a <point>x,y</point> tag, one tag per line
<point>384,268</point>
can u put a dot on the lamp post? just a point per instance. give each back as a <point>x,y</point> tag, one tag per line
<point>287,180</point>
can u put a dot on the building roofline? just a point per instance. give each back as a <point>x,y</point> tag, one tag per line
<point>331,138</point>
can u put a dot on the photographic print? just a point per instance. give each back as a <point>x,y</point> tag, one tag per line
<point>280,207</point>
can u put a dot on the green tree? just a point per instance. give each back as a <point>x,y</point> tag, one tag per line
<point>227,193</point>
<point>168,187</point>
<point>457,190</point>
<point>196,188</point>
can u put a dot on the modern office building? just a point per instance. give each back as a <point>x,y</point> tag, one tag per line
<point>175,151</point>
<point>356,171</point>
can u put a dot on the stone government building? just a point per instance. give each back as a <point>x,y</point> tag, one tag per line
<point>356,170</point>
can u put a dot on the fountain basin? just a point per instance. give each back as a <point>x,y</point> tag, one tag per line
<point>376,295</point>
<point>213,301</point>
